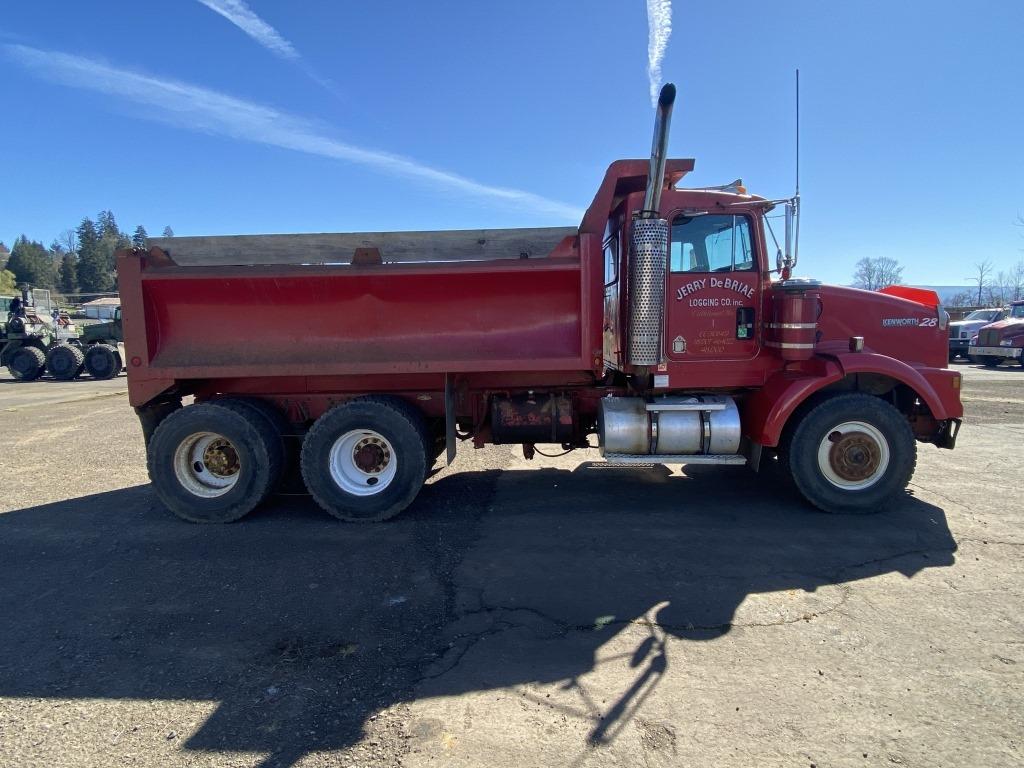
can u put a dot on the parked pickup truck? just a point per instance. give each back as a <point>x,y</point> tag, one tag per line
<point>1002,340</point>
<point>962,331</point>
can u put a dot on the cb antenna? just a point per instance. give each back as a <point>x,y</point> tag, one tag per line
<point>798,133</point>
<point>796,200</point>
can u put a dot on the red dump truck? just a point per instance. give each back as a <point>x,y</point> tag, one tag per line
<point>660,330</point>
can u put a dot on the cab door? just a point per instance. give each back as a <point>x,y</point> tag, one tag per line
<point>713,289</point>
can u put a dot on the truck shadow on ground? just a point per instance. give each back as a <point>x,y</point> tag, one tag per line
<point>303,629</point>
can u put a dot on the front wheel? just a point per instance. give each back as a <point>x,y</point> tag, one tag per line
<point>991,362</point>
<point>365,460</point>
<point>851,453</point>
<point>27,363</point>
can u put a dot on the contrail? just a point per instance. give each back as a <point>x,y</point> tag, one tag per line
<point>243,17</point>
<point>239,14</point>
<point>659,29</point>
<point>202,109</point>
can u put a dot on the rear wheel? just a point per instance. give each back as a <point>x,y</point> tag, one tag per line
<point>64,361</point>
<point>851,453</point>
<point>27,363</point>
<point>366,460</point>
<point>103,361</point>
<point>213,464</point>
<point>273,424</point>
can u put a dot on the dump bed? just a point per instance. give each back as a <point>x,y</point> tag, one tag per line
<point>297,305</point>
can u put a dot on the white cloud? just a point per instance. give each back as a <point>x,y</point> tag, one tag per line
<point>202,109</point>
<point>659,29</point>
<point>239,14</point>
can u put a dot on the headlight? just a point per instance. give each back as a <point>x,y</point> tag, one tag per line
<point>1006,343</point>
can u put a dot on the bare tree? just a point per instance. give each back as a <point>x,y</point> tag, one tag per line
<point>1016,281</point>
<point>871,274</point>
<point>999,290</point>
<point>68,241</point>
<point>982,277</point>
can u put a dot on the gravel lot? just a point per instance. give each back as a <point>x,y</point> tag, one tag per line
<point>520,614</point>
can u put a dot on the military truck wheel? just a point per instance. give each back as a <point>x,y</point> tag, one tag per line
<point>366,460</point>
<point>212,464</point>
<point>64,361</point>
<point>27,363</point>
<point>102,361</point>
<point>850,453</point>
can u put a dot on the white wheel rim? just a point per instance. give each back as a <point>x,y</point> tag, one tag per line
<point>207,464</point>
<point>853,455</point>
<point>362,462</point>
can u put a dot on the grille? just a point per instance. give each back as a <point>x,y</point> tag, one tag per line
<point>989,338</point>
<point>648,253</point>
<point>952,332</point>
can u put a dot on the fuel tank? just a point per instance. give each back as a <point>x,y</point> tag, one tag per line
<point>699,424</point>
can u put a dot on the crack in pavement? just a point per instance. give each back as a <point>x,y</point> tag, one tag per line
<point>468,640</point>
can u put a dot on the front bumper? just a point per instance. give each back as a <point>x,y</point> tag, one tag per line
<point>1009,352</point>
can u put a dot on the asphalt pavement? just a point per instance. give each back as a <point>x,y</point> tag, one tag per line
<point>520,613</point>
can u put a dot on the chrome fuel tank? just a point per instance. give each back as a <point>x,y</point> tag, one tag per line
<point>693,425</point>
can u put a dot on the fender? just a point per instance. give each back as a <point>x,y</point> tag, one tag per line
<point>766,412</point>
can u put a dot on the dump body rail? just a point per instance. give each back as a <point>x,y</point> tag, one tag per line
<point>339,248</point>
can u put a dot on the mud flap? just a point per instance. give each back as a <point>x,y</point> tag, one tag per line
<point>947,433</point>
<point>449,418</point>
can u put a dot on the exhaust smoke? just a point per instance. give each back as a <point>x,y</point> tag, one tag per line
<point>659,29</point>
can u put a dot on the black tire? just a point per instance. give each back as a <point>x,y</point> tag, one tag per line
<point>64,362</point>
<point>251,453</point>
<point>991,362</point>
<point>820,420</point>
<point>103,361</point>
<point>272,420</point>
<point>405,433</point>
<point>26,363</point>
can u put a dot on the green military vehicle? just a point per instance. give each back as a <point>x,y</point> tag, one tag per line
<point>103,344</point>
<point>35,339</point>
<point>27,335</point>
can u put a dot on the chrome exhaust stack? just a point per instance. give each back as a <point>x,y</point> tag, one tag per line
<point>648,250</point>
<point>659,151</point>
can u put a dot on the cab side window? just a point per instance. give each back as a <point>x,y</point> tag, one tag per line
<point>711,243</point>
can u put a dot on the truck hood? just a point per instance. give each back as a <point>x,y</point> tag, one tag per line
<point>1004,329</point>
<point>958,327</point>
<point>975,324</point>
<point>901,328</point>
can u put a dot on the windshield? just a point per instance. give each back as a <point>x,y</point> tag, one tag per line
<point>982,314</point>
<point>1017,310</point>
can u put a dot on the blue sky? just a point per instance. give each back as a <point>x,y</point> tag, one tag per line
<point>340,116</point>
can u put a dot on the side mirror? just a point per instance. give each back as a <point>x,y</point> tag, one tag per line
<point>792,233</point>
<point>790,213</point>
